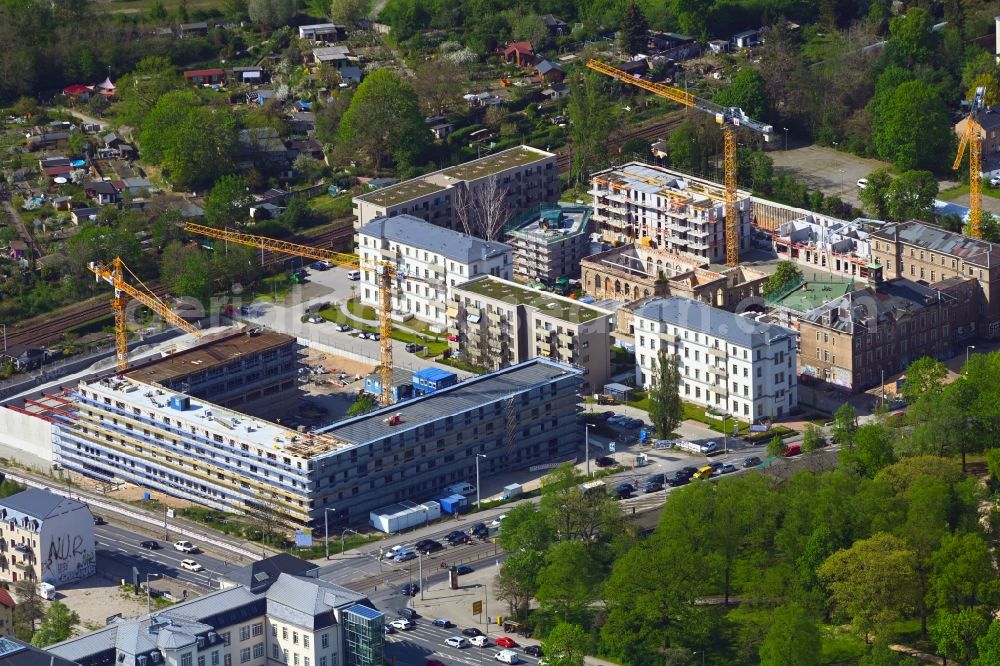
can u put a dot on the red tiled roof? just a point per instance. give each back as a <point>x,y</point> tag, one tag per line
<point>5,598</point>
<point>76,89</point>
<point>203,72</point>
<point>58,171</point>
<point>520,47</point>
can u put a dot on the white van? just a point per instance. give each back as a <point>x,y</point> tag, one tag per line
<point>462,488</point>
<point>47,591</point>
<point>506,657</point>
<point>354,275</point>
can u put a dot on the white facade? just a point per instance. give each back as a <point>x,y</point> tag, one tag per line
<point>827,243</point>
<point>432,259</point>
<point>727,362</point>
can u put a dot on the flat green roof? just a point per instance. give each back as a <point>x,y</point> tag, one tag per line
<point>545,302</point>
<point>401,192</point>
<point>485,166</point>
<point>815,293</point>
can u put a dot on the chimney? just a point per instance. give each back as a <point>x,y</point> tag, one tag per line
<point>996,21</point>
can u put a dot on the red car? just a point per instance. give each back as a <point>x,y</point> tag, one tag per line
<point>792,450</point>
<point>506,642</point>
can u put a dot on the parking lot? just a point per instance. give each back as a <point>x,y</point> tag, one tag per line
<point>828,170</point>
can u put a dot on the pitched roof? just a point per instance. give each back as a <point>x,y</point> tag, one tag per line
<point>38,503</point>
<point>263,573</point>
<point>6,599</point>
<point>703,318</point>
<point>415,232</point>
<point>190,74</point>
<point>544,67</point>
<point>918,234</point>
<point>309,596</point>
<point>889,301</point>
<point>520,47</point>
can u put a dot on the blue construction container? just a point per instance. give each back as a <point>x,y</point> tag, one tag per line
<point>454,504</point>
<point>181,403</point>
<point>429,380</point>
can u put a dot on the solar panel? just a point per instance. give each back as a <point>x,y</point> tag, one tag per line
<point>365,612</point>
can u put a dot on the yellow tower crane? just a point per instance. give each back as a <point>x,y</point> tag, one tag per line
<point>729,117</point>
<point>385,270</point>
<point>114,274</point>
<point>972,138</point>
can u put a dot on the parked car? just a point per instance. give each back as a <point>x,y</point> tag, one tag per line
<point>405,556</point>
<point>99,520</point>
<point>321,265</point>
<point>408,613</point>
<point>185,546</point>
<point>480,641</point>
<point>410,590</point>
<point>727,468</point>
<point>690,471</point>
<point>624,490</point>
<point>605,461</point>
<point>862,183</point>
<point>656,478</point>
<point>496,522</point>
<point>343,328</point>
<point>443,622</point>
<point>652,487</point>
<point>401,624</point>
<point>792,450</point>
<point>752,461</point>
<point>389,629</point>
<point>704,473</point>
<point>480,530</point>
<point>315,319</point>
<point>533,650</point>
<point>413,347</point>
<point>431,547</point>
<point>150,545</point>
<point>456,537</point>
<point>678,480</point>
<point>191,565</point>
<point>456,642</point>
<point>463,569</point>
<point>506,641</point>
<point>471,632</point>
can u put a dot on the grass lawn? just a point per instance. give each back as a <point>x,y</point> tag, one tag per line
<point>953,193</point>
<point>143,6</point>
<point>355,307</point>
<point>433,345</point>
<point>840,646</point>
<point>332,208</point>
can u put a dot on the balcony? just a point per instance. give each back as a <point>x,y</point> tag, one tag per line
<point>670,337</point>
<point>565,339</point>
<point>717,353</point>
<point>544,348</point>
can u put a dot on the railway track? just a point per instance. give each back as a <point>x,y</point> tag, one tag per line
<point>45,329</point>
<point>651,131</point>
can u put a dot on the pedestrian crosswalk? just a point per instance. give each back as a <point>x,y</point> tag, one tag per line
<point>424,641</point>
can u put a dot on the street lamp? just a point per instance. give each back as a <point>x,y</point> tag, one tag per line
<point>326,530</point>
<point>148,603</point>
<point>702,653</point>
<point>786,138</point>
<point>478,496</point>
<point>725,435</point>
<point>586,444</point>
<point>967,352</point>
<point>420,564</point>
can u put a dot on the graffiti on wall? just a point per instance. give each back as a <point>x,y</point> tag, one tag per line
<point>69,558</point>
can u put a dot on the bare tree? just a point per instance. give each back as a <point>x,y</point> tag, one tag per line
<point>491,210</point>
<point>463,208</point>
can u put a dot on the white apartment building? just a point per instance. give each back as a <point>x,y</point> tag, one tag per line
<point>294,619</point>
<point>45,537</point>
<point>730,363</point>
<point>666,209</point>
<point>523,177</point>
<point>431,259</point>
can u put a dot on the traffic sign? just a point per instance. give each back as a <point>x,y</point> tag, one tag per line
<point>611,447</point>
<point>477,607</point>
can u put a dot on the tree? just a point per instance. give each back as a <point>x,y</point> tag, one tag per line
<point>981,70</point>
<point>383,121</point>
<point>777,446</point>
<point>228,204</point>
<point>663,389</point>
<point>567,644</point>
<point>912,196</point>
<point>923,376</point>
<point>634,31</point>
<point>748,91</point>
<point>139,91</point>
<point>962,572</point>
<point>692,16</point>
<point>871,582</point>
<point>845,424</point>
<point>30,609</point>
<point>363,404</point>
<point>871,451</point>
<point>158,12</point>
<point>437,83</point>
<point>812,439</point>
<point>517,582</point>
<point>785,274</point>
<point>989,646</point>
<point>913,129</point>
<point>57,625</point>
<point>912,39</point>
<point>955,634</point>
<point>592,119</point>
<point>271,13</point>
<point>530,28</point>
<point>793,639</point>
<point>875,195</point>
<point>687,149</point>
<point>349,12</point>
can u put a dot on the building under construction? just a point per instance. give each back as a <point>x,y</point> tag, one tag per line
<point>666,209</point>
<point>162,427</point>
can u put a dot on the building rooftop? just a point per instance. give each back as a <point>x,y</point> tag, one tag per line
<point>439,180</point>
<point>233,426</point>
<point>885,302</point>
<point>813,293</point>
<point>936,239</point>
<point>550,225</point>
<point>38,503</point>
<point>548,303</point>
<point>680,188</point>
<point>259,575</point>
<point>210,353</point>
<point>417,233</point>
<point>454,400</point>
<point>703,318</point>
<point>15,653</point>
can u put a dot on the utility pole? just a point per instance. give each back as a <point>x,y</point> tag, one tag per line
<point>420,575</point>
<point>478,495</point>
<point>326,530</point>
<point>586,444</point>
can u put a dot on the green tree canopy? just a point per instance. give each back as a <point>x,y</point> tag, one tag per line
<point>228,204</point>
<point>875,195</point>
<point>567,644</point>
<point>923,376</point>
<point>911,38</point>
<point>271,13</point>
<point>913,129</point>
<point>956,633</point>
<point>748,91</point>
<point>634,31</point>
<point>793,639</point>
<point>384,121</point>
<point>349,12</point>
<point>57,625</point>
<point>785,274</point>
<point>591,114</point>
<point>665,408</point>
<point>912,196</point>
